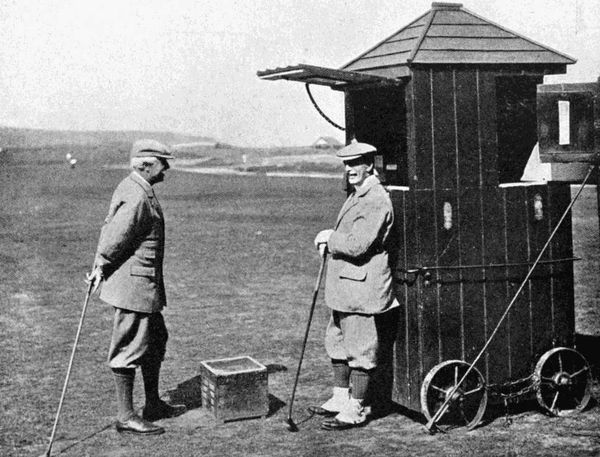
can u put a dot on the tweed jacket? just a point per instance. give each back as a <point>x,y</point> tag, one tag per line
<point>359,277</point>
<point>131,248</point>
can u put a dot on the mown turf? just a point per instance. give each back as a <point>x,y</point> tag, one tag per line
<point>240,269</point>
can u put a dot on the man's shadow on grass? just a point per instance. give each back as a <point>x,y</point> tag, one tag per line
<point>189,392</point>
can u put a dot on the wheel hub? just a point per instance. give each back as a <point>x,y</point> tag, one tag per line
<point>456,396</point>
<point>562,379</point>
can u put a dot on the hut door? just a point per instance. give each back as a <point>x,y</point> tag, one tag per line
<point>379,118</point>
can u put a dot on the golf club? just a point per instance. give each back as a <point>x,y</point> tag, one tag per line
<point>64,390</point>
<point>291,425</point>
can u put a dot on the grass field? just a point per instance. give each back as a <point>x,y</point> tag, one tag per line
<point>240,269</point>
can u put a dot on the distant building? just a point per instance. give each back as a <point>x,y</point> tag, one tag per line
<point>327,142</point>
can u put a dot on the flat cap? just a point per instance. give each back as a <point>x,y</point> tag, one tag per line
<point>150,148</point>
<point>354,150</point>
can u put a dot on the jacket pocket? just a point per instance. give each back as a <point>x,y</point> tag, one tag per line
<point>353,272</point>
<point>148,272</point>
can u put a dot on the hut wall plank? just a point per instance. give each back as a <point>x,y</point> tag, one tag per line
<point>541,282</point>
<point>471,248</point>
<point>411,141</point>
<point>429,298</point>
<point>402,347</point>
<point>486,89</point>
<point>421,106</point>
<point>413,305</point>
<point>494,241</point>
<point>449,281</point>
<point>469,160</point>
<point>562,273</point>
<point>519,322</point>
<point>444,135</point>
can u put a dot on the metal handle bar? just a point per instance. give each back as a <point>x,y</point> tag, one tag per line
<point>421,270</point>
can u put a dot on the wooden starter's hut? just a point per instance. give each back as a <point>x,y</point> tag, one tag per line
<point>450,103</point>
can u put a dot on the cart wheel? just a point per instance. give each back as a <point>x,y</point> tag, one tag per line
<point>468,402</point>
<point>563,382</point>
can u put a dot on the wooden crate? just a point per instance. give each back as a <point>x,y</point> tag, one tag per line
<point>235,388</point>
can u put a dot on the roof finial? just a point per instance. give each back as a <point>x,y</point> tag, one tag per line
<point>446,6</point>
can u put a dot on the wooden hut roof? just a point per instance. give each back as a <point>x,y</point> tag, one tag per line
<point>449,34</point>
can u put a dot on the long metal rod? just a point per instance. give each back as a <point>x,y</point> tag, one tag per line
<point>491,265</point>
<point>310,316</point>
<point>64,390</point>
<point>440,412</point>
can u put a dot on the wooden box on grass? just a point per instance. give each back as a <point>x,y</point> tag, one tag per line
<point>235,388</point>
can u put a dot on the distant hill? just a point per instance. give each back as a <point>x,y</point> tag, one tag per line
<point>11,137</point>
<point>112,147</point>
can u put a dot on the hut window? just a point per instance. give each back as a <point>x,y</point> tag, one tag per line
<point>538,207</point>
<point>378,117</point>
<point>517,124</point>
<point>447,215</point>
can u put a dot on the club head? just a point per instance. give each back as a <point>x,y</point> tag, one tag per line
<point>291,426</point>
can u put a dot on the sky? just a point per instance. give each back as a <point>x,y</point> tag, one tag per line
<point>190,66</point>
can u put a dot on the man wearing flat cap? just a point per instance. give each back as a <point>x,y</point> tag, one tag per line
<point>129,264</point>
<point>358,288</point>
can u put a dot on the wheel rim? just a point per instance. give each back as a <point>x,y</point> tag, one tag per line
<point>562,376</point>
<point>468,402</point>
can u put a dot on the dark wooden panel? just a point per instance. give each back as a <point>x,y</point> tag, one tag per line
<point>450,286</point>
<point>428,295</point>
<point>411,141</point>
<point>421,107</point>
<point>413,319</point>
<point>469,160</point>
<point>540,284</point>
<point>519,318</point>
<point>562,273</point>
<point>471,247</point>
<point>495,288</point>
<point>402,346</point>
<point>444,133</point>
<point>487,127</point>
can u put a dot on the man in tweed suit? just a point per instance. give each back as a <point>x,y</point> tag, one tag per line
<point>358,287</point>
<point>129,263</point>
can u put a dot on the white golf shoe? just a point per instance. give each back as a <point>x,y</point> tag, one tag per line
<point>337,402</point>
<point>354,414</point>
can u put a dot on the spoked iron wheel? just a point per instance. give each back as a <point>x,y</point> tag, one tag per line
<point>563,382</point>
<point>467,404</point>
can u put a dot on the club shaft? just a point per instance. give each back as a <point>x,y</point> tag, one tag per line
<point>66,383</point>
<point>310,316</point>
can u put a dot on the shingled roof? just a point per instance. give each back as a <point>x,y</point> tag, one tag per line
<point>449,34</point>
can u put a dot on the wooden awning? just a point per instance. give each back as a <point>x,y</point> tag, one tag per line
<point>336,79</point>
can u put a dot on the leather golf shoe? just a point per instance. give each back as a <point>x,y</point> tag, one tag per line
<point>337,425</point>
<point>319,410</point>
<point>162,410</point>
<point>135,425</point>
